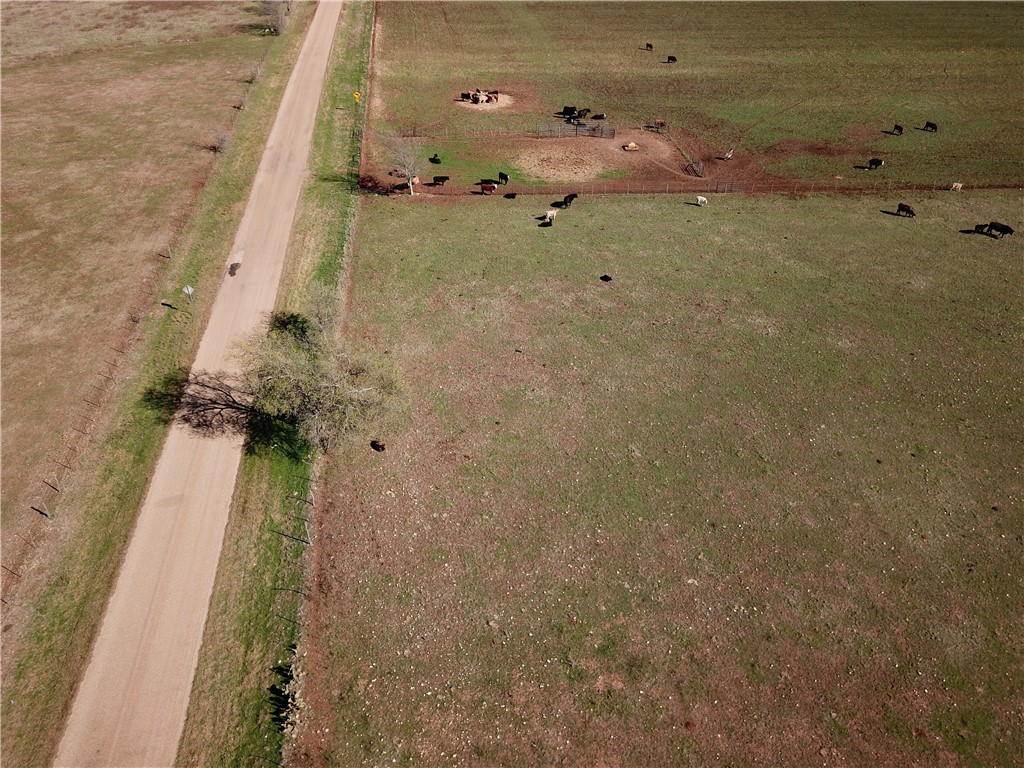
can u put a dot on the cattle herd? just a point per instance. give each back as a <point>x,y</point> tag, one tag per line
<point>480,96</point>
<point>575,115</point>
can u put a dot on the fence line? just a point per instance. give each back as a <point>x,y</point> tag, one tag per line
<point>691,186</point>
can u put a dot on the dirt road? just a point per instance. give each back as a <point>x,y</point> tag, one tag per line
<point>130,707</point>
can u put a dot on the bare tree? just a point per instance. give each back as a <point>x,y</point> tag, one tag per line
<point>405,152</point>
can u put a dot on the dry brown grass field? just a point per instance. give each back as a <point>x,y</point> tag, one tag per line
<point>102,160</point>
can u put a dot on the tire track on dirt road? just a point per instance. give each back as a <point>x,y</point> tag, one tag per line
<point>130,706</point>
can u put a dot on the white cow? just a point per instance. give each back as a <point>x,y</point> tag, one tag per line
<point>701,200</point>
<point>549,216</point>
<point>957,186</point>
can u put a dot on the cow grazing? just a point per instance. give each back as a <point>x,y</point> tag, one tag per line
<point>875,163</point>
<point>440,180</point>
<point>549,216</point>
<point>598,116</point>
<point>701,200</point>
<point>670,60</point>
<point>435,159</point>
<point>930,126</point>
<point>502,177</point>
<point>897,130</point>
<point>957,186</point>
<point>905,210</point>
<point>999,229</point>
<point>650,46</point>
<point>488,188</point>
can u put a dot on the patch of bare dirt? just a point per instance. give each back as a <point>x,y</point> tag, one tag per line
<point>585,159</point>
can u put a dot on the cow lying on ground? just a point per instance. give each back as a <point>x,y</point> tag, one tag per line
<point>905,210</point>
<point>598,116</point>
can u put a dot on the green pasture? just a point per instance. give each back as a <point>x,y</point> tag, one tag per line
<point>753,501</point>
<point>749,76</point>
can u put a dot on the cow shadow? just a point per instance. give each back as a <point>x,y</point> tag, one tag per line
<point>546,223</point>
<point>559,204</point>
<point>890,133</point>
<point>978,230</point>
<point>509,196</point>
<point>695,205</point>
<point>722,157</point>
<point>862,167</point>
<point>890,213</point>
<point>487,181</point>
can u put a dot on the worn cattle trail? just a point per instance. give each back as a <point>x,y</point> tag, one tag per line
<point>130,706</point>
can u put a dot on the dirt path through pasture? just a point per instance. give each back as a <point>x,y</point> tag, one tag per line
<point>130,706</point>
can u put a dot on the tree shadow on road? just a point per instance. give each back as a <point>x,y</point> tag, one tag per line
<point>212,404</point>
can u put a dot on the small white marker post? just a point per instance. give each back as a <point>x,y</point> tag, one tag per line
<point>188,290</point>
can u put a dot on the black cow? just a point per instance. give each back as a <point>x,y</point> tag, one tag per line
<point>440,180</point>
<point>502,177</point>
<point>650,46</point>
<point>567,200</point>
<point>582,113</point>
<point>999,229</point>
<point>897,130</point>
<point>929,126</point>
<point>875,163</point>
<point>905,210</point>
<point>488,188</point>
<point>598,116</point>
<point>567,110</point>
<point>435,159</point>
<point>981,229</point>
<point>466,96</point>
<point>671,60</point>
